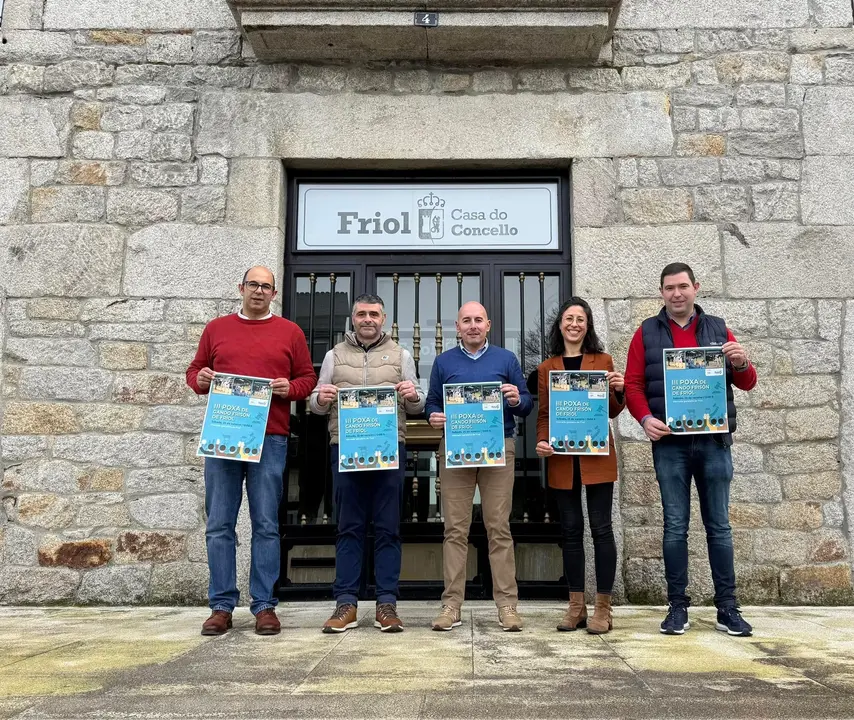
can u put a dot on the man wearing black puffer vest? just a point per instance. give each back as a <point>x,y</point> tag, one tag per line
<point>677,458</point>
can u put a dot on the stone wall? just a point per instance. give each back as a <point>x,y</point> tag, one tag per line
<point>142,160</point>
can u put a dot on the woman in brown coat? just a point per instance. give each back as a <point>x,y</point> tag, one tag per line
<point>573,345</point>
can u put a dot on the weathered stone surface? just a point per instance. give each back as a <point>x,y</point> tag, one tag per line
<point>728,14</point>
<point>170,49</point>
<point>812,486</point>
<point>820,585</point>
<point>747,458</point>
<point>763,268</point>
<point>213,170</point>
<point>153,332</point>
<point>657,78</point>
<point>37,351</point>
<point>14,191</point>
<point>102,480</point>
<point>748,67</point>
<point>210,48</point>
<point>645,581</point>
<point>700,145</point>
<point>748,317</point>
<point>748,515</point>
<point>825,183</point>
<point>762,426</point>
<point>689,171</point>
<point>78,555</point>
<point>140,95</point>
<point>781,547</point>
<point>38,383</point>
<point>541,80</point>
<point>123,310</point>
<point>37,586</point>
<point>33,127</point>
<point>169,174</point>
<point>176,419</point>
<point>127,206</point>
<point>644,251</point>
<point>115,585</point>
<point>23,447</point>
<point>203,204</point>
<point>108,418</point>
<point>24,14</point>
<point>361,79</point>
<point>67,204</point>
<point>594,197</point>
<point>93,145</point>
<point>812,424</point>
<point>814,356</point>
<point>20,546</point>
<point>56,476</point>
<point>803,457</point>
<point>166,480</point>
<point>148,388</point>
<point>192,311</point>
<point>825,121</point>
<point>171,146</point>
<point>143,547</point>
<point>43,510</point>
<point>70,260</point>
<point>807,70</point>
<point>178,583</point>
<point>768,144</point>
<point>727,203</point>
<point>529,126</point>
<point>755,488</point>
<point>775,201</point>
<point>53,308</point>
<point>74,74</point>
<point>172,357</point>
<point>757,584</point>
<point>830,13</point>
<point>256,193</point>
<point>123,356</point>
<point>149,15</point>
<point>797,516</point>
<point>167,255</point>
<point>718,120</point>
<point>650,206</point>
<point>134,144</point>
<point>179,511</point>
<point>767,94</point>
<point>599,79</point>
<point>793,318</point>
<point>102,510</point>
<point>74,172</point>
<point>133,449</point>
<point>804,391</point>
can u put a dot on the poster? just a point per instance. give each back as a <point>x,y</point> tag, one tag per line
<point>578,412</point>
<point>367,429</point>
<point>695,390</point>
<point>474,424</point>
<point>236,418</point>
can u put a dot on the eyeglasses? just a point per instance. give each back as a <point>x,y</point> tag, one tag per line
<point>252,286</point>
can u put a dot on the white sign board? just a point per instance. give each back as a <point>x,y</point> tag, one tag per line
<point>428,216</point>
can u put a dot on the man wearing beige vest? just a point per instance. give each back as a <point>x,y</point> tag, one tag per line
<point>367,358</point>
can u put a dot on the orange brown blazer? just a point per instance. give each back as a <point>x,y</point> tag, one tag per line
<point>595,469</point>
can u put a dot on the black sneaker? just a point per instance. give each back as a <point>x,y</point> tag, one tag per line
<point>676,622</point>
<point>731,622</point>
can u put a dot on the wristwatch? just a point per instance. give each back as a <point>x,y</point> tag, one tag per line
<point>742,368</point>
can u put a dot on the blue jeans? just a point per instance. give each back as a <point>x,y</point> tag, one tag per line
<point>223,495</point>
<point>360,497</point>
<point>709,461</point>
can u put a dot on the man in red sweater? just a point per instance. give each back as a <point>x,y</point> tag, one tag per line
<point>252,342</point>
<point>679,457</point>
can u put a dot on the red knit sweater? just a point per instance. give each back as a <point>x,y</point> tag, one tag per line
<point>271,348</point>
<point>682,338</point>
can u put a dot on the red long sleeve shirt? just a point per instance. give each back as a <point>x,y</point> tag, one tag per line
<point>271,348</point>
<point>682,338</point>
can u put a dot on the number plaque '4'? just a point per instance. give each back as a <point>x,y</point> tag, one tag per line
<point>427,19</point>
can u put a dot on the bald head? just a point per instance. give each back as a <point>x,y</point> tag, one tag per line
<point>473,325</point>
<point>258,290</point>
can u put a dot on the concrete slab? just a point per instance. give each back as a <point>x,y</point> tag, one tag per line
<point>152,663</point>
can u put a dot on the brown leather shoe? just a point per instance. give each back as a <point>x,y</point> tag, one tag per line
<point>343,619</point>
<point>601,621</point>
<point>266,623</point>
<point>576,614</point>
<point>387,619</point>
<point>218,623</point>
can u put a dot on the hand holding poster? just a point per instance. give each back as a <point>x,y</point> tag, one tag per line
<point>695,390</point>
<point>578,412</point>
<point>236,418</point>
<point>367,429</point>
<point>474,424</point>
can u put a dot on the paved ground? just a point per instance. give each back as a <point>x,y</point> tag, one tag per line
<point>152,663</point>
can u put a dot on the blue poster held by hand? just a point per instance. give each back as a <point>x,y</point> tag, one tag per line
<point>474,424</point>
<point>578,412</point>
<point>695,390</point>
<point>236,418</point>
<point>367,429</point>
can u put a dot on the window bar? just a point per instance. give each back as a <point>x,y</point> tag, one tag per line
<point>331,311</point>
<point>522,363</point>
<point>543,471</point>
<point>312,281</point>
<point>416,329</point>
<point>438,488</point>
<point>414,486</point>
<point>439,342</point>
<point>459,299</point>
<point>395,334</point>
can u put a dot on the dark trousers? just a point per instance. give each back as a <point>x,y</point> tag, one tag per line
<point>361,497</point>
<point>709,462</point>
<point>599,499</point>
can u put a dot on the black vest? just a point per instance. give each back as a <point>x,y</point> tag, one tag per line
<point>657,337</point>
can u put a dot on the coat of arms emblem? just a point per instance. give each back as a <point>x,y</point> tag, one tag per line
<point>431,217</point>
